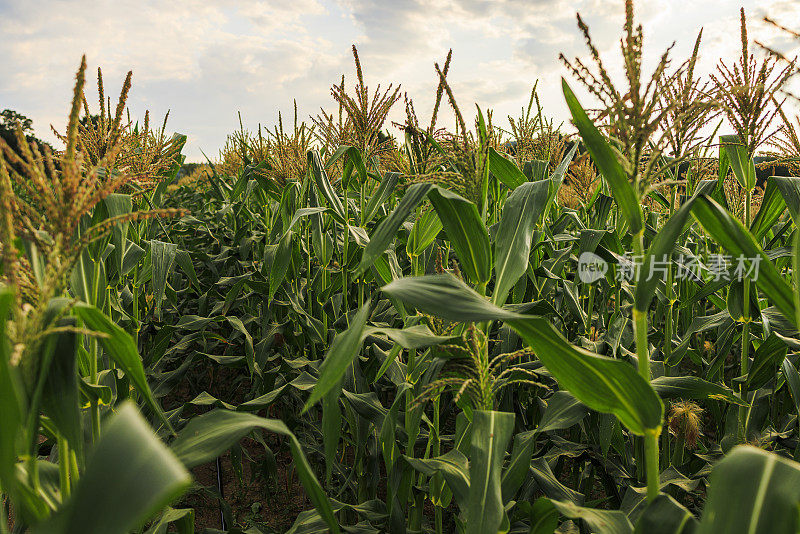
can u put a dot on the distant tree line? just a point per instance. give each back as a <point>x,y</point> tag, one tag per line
<point>10,120</point>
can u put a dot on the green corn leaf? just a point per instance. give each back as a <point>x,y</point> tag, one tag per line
<point>88,280</point>
<point>739,242</point>
<point>523,209</point>
<point>131,475</point>
<point>772,206</point>
<point>713,188</point>
<point>454,467</point>
<point>723,167</point>
<point>61,395</point>
<point>121,348</point>
<point>381,195</point>
<point>653,267</point>
<point>536,169</point>
<point>337,155</point>
<point>284,214</point>
<point>280,263</point>
<point>741,163</point>
<point>386,230</point>
<point>118,204</point>
<point>505,170</point>
<point>606,162</point>
<point>11,397</point>
<point>184,261</point>
<point>163,256</point>
<point>544,517</point>
<point>793,381</point>
<point>354,161</point>
<point>599,521</point>
<point>518,465</point>
<point>324,185</point>
<point>766,359</point>
<point>331,428</point>
<point>491,432</point>
<point>549,483</point>
<point>789,188</point>
<point>425,229</point>
<point>133,255</point>
<point>693,387</point>
<point>182,519</point>
<point>796,276</point>
<point>557,178</point>
<point>767,502</point>
<point>734,302</point>
<point>343,350</point>
<point>412,337</point>
<point>445,296</point>
<point>301,213</point>
<point>603,384</point>
<point>563,411</point>
<point>665,515</point>
<point>249,350</point>
<point>466,232</point>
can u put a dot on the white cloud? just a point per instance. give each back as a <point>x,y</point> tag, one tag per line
<point>206,60</point>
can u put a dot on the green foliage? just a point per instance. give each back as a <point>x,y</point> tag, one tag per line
<point>401,337</point>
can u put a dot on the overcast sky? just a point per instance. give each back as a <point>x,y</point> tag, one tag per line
<point>207,59</point>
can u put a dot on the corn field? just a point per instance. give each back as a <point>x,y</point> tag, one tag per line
<point>349,324</point>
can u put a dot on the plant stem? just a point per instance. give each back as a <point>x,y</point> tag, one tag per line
<point>484,190</point>
<point>412,427</point>
<point>344,274</point>
<point>345,246</point>
<point>589,306</point>
<point>435,452</point>
<point>668,325</point>
<point>745,360</point>
<point>651,463</point>
<point>74,474</point>
<point>95,407</point>
<point>33,416</point>
<point>136,324</point>
<point>640,328</point>
<point>642,354</point>
<point>63,467</point>
<point>93,355</point>
<point>309,248</point>
<point>640,319</point>
<point>677,454</point>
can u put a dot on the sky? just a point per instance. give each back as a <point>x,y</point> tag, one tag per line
<point>207,60</point>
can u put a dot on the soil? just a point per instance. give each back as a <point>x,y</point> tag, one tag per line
<point>252,497</point>
<point>253,500</point>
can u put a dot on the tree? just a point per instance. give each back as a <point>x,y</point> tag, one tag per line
<point>9,119</point>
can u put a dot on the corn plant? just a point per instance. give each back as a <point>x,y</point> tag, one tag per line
<point>474,330</point>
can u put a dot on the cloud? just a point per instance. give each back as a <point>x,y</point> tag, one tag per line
<point>206,60</point>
